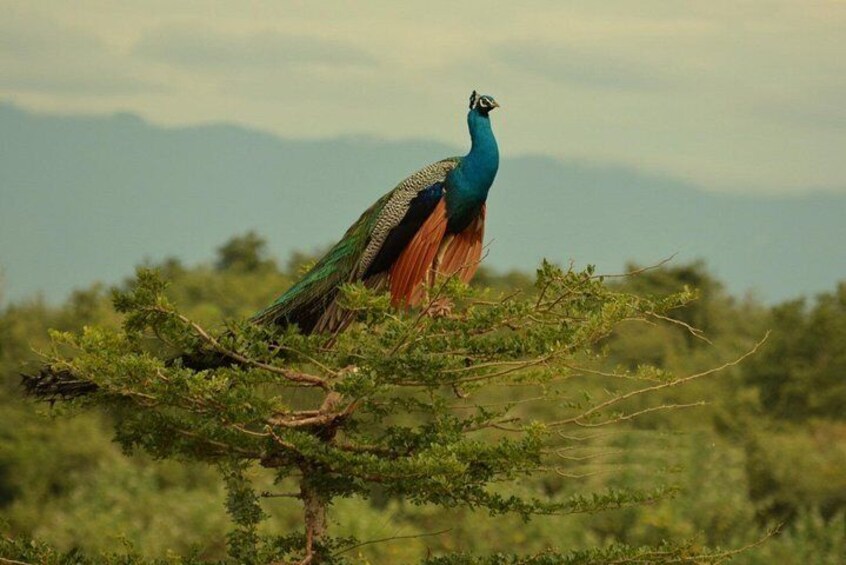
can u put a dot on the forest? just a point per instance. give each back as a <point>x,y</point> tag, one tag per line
<point>749,460</point>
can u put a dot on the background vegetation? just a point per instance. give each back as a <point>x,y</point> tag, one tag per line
<point>769,446</point>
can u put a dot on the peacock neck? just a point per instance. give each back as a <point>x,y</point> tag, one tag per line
<point>471,180</point>
<point>481,163</point>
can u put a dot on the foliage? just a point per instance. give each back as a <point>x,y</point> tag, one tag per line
<point>794,471</point>
<point>810,538</point>
<point>384,404</point>
<point>62,480</point>
<point>801,374</point>
<point>246,253</point>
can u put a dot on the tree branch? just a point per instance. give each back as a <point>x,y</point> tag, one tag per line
<point>294,376</point>
<point>620,398</point>
<point>392,538</point>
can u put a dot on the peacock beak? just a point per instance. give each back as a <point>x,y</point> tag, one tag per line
<point>495,103</point>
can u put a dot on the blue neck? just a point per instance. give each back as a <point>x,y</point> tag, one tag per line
<point>470,181</point>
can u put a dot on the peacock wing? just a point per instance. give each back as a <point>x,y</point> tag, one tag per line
<point>365,253</point>
<point>409,205</point>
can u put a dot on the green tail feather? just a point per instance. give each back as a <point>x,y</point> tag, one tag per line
<point>306,301</point>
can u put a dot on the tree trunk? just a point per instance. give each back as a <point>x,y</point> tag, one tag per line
<point>315,519</point>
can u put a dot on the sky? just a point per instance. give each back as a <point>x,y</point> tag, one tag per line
<point>734,95</point>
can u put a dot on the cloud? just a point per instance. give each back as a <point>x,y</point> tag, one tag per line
<point>565,64</point>
<point>727,93</point>
<point>40,55</point>
<point>33,40</point>
<point>90,80</point>
<point>202,48</point>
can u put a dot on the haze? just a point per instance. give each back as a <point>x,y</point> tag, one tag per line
<point>735,96</point>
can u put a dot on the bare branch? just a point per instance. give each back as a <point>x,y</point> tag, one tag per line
<point>640,271</point>
<point>6,561</point>
<point>633,415</point>
<point>220,445</point>
<point>587,437</point>
<point>309,358</point>
<point>620,398</point>
<point>268,494</point>
<point>695,332</point>
<point>392,538</point>
<point>610,374</point>
<point>508,403</point>
<point>589,457</point>
<point>498,424</point>
<point>518,367</point>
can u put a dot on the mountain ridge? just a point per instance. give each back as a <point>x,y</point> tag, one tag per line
<point>86,198</point>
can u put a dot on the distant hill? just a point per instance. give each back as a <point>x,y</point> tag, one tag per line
<point>87,198</point>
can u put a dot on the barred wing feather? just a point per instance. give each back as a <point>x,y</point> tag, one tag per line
<point>366,252</point>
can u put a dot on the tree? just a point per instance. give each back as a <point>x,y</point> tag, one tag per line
<point>801,374</point>
<point>246,253</point>
<point>426,405</point>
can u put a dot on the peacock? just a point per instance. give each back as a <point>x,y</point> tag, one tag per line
<point>431,224</point>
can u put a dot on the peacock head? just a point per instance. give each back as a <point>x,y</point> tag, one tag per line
<point>482,103</point>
